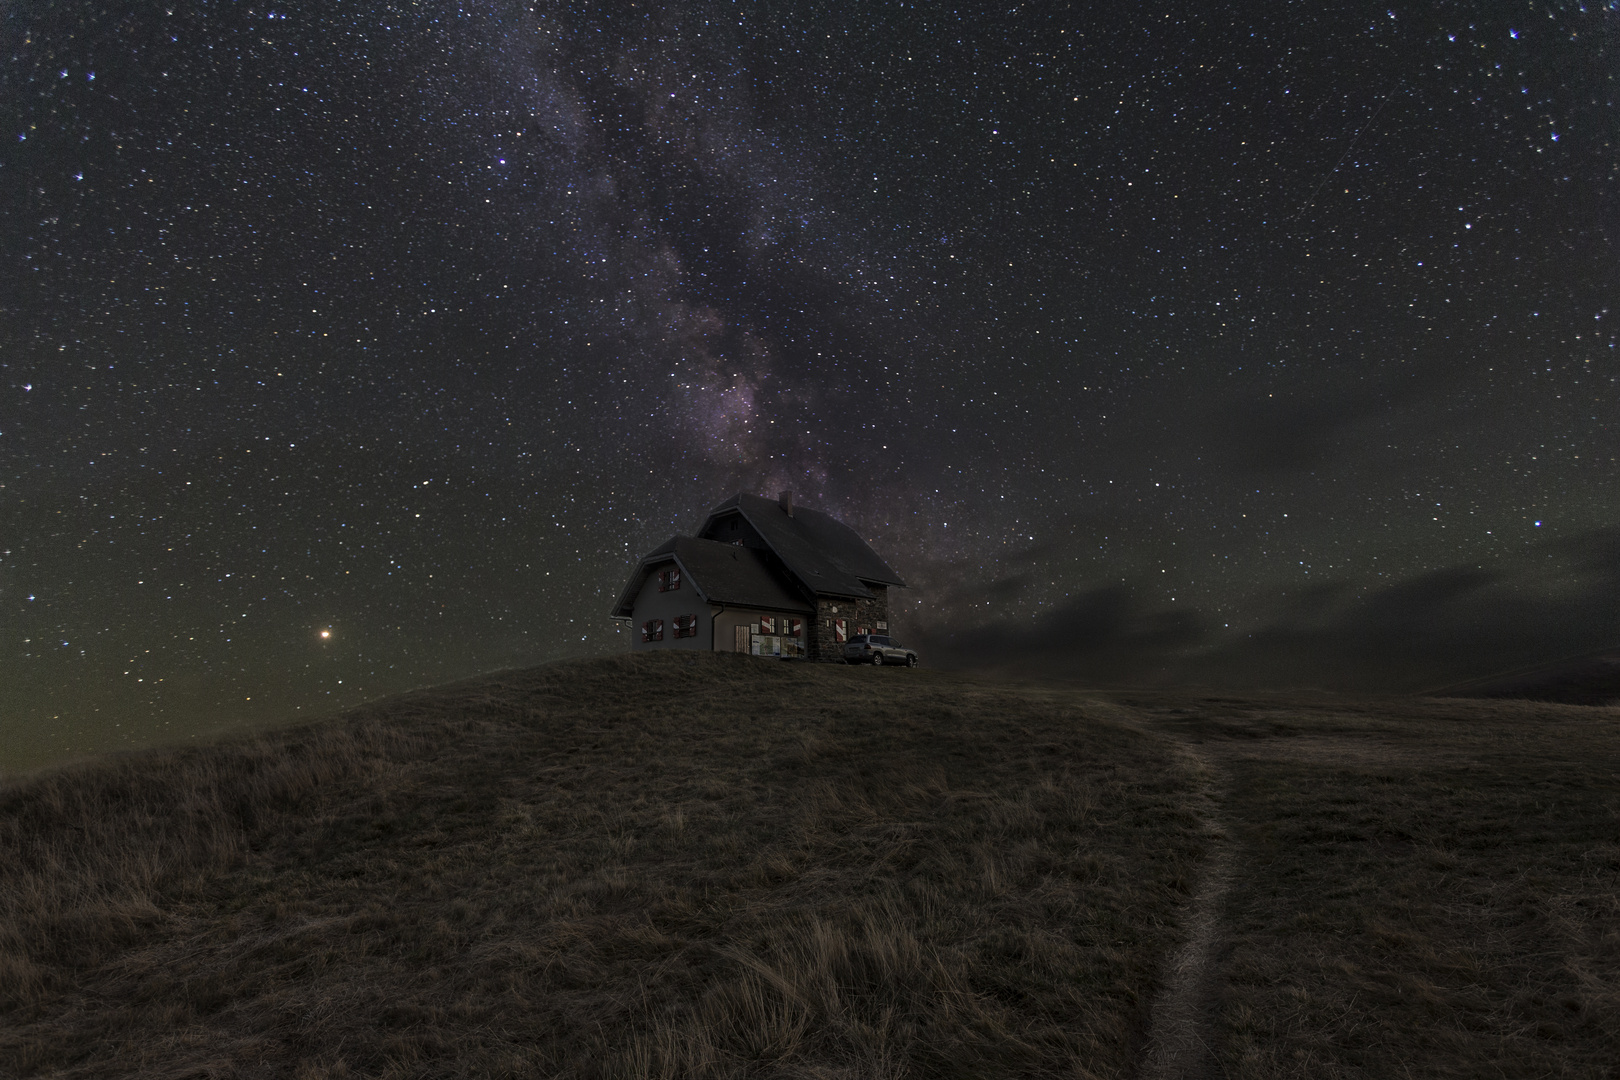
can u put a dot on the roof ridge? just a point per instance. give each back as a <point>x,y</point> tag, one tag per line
<point>822,552</point>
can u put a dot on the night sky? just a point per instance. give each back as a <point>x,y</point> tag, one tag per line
<point>1253,343</point>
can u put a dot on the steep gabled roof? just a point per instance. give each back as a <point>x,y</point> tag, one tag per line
<point>721,574</point>
<point>823,553</point>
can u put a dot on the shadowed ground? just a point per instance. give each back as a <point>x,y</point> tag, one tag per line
<point>696,866</point>
<point>1416,887</point>
<point>661,865</point>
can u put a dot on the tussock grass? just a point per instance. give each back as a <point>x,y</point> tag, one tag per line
<point>669,865</point>
<point>1422,888</point>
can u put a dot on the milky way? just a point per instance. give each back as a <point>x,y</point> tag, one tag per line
<point>347,348</point>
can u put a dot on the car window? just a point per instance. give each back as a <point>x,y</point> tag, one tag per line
<point>880,640</point>
<point>857,639</point>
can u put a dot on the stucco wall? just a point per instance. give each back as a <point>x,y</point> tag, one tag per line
<point>726,623</point>
<point>652,604</point>
<point>716,626</point>
<point>725,627</point>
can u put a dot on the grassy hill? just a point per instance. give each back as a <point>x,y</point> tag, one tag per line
<point>688,865</point>
<point>1421,887</point>
<point>660,865</point>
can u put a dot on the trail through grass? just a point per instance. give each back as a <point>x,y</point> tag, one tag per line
<point>684,865</point>
<point>1425,888</point>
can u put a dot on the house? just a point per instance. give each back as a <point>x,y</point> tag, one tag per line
<point>762,577</point>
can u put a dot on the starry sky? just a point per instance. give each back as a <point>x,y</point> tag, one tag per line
<point>346,348</point>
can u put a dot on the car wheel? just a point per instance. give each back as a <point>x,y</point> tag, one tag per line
<point>911,660</point>
<point>877,659</point>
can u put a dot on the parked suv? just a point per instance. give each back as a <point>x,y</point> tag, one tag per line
<point>877,649</point>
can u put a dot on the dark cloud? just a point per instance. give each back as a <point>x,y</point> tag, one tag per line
<point>1311,427</point>
<point>1275,436</point>
<point>1106,634</point>
<point>1437,628</point>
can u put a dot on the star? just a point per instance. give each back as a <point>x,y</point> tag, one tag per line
<point>1043,390</point>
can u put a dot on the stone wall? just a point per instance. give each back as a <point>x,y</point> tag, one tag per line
<point>869,613</point>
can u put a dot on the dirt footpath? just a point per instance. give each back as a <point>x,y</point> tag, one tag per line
<point>1394,885</point>
<point>1181,1029</point>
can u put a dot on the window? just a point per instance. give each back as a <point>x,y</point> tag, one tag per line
<point>793,627</point>
<point>863,630</point>
<point>840,630</point>
<point>669,580</point>
<point>652,630</point>
<point>767,624</point>
<point>685,626</point>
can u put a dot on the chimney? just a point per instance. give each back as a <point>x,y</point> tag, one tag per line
<point>786,501</point>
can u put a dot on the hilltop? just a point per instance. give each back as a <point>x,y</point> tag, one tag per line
<point>670,864</point>
<point>706,865</point>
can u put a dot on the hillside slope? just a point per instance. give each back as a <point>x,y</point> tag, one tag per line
<point>652,865</point>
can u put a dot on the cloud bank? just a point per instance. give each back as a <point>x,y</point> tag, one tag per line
<point>1445,626</point>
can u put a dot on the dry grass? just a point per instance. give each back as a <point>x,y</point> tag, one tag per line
<point>695,866</point>
<point>1423,888</point>
<point>671,865</point>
